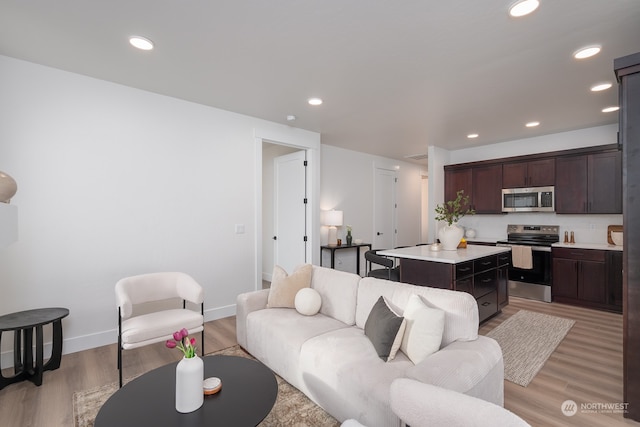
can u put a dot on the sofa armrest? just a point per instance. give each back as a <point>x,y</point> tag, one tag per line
<point>463,365</point>
<point>245,304</point>
<point>423,405</point>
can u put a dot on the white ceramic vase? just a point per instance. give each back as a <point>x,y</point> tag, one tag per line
<point>189,377</point>
<point>450,236</point>
<point>8,187</point>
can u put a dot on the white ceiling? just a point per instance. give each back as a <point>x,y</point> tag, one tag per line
<point>395,76</point>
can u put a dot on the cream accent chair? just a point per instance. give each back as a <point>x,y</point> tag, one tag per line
<point>420,404</point>
<point>140,330</point>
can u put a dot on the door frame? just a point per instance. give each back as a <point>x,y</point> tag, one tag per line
<point>303,140</point>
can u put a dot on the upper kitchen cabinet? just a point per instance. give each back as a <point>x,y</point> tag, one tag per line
<point>487,189</point>
<point>535,173</point>
<point>456,180</point>
<point>483,185</point>
<point>589,183</point>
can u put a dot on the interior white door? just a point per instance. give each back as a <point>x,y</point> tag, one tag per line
<point>384,234</point>
<point>290,246</point>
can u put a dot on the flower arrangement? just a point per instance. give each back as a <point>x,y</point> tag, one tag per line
<point>182,341</point>
<point>453,210</point>
<point>349,229</point>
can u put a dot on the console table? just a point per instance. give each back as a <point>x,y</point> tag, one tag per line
<point>334,248</point>
<point>22,324</point>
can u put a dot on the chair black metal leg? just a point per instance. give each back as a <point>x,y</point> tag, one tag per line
<point>202,339</point>
<point>119,348</point>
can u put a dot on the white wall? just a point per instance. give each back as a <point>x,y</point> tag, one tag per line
<point>348,185</point>
<point>115,181</point>
<point>587,228</point>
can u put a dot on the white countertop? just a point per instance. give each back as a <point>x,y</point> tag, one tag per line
<point>424,253</point>
<point>599,246</point>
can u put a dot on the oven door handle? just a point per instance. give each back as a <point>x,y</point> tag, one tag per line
<point>533,248</point>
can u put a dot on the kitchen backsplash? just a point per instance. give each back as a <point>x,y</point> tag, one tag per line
<point>586,228</point>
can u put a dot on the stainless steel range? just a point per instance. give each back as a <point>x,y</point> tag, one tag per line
<point>534,282</point>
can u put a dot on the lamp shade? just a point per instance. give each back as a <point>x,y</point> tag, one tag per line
<point>333,218</point>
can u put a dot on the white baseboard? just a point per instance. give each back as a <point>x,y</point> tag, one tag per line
<point>99,339</point>
<point>267,276</point>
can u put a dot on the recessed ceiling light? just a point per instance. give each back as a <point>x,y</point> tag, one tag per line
<point>472,135</point>
<point>141,43</point>
<point>291,117</point>
<point>610,109</point>
<point>600,86</point>
<point>587,52</point>
<point>315,101</point>
<point>532,124</point>
<point>523,7</point>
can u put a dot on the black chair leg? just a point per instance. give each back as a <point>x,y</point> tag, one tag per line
<point>119,348</point>
<point>202,339</point>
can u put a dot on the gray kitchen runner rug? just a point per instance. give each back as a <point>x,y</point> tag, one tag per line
<point>527,340</point>
<point>292,407</point>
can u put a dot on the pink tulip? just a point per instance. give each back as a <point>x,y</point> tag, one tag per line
<point>184,332</point>
<point>177,335</point>
<point>193,342</point>
<point>170,344</point>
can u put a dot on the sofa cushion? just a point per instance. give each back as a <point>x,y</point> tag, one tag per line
<point>385,329</point>
<point>274,336</point>
<point>284,287</point>
<point>461,309</point>
<point>423,333</point>
<point>345,376</point>
<point>338,290</point>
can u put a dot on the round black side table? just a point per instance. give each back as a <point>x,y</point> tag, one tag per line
<point>23,323</point>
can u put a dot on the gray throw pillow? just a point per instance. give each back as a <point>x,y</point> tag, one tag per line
<point>385,329</point>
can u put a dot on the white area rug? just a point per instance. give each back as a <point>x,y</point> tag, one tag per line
<point>527,340</point>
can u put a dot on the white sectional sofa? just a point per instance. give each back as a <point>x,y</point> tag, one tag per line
<point>330,359</point>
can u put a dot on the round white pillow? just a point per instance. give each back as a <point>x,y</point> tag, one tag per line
<point>308,301</point>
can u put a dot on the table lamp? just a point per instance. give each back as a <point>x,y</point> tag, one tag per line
<point>333,219</point>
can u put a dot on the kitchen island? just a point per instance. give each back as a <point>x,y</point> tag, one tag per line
<point>479,270</point>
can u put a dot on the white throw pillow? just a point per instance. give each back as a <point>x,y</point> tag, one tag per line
<point>423,333</point>
<point>308,301</point>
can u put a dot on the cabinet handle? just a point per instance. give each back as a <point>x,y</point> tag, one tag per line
<point>486,303</point>
<point>486,263</point>
<point>486,280</point>
<point>465,269</point>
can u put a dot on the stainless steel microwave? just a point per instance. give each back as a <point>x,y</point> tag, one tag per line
<point>534,199</point>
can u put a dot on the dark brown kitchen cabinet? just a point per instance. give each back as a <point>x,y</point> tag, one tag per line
<point>480,277</point>
<point>589,183</point>
<point>503,279</point>
<point>535,173</point>
<point>604,186</point>
<point>586,277</point>
<point>456,180</point>
<point>487,189</point>
<point>483,185</point>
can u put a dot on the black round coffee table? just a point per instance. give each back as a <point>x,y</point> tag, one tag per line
<point>249,391</point>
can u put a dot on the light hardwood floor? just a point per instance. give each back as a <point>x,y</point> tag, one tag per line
<point>586,367</point>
